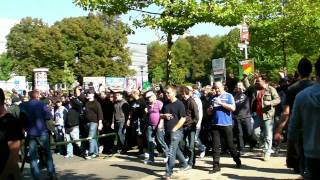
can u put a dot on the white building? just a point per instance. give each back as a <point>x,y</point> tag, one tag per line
<point>139,59</point>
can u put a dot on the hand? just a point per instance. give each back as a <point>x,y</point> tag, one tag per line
<point>168,116</point>
<point>267,103</point>
<point>128,123</point>
<point>218,101</point>
<point>112,126</point>
<point>278,137</point>
<point>100,126</point>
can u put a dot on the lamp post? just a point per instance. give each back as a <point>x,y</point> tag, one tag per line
<point>141,70</point>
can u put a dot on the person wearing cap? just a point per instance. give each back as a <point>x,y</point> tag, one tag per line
<point>94,116</point>
<point>154,128</point>
<point>14,109</point>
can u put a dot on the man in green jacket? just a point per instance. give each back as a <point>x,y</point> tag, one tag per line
<point>264,100</point>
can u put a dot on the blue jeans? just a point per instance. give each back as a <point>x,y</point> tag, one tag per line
<point>198,142</point>
<point>174,151</point>
<point>188,142</point>
<point>121,134</point>
<point>151,133</point>
<point>263,129</point>
<point>93,144</point>
<point>43,142</point>
<point>73,134</point>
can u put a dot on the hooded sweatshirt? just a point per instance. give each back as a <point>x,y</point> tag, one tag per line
<point>305,120</point>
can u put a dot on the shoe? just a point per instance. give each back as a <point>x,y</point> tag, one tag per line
<point>148,161</point>
<point>238,163</point>
<point>165,160</point>
<point>266,157</point>
<point>88,157</point>
<point>185,168</point>
<point>68,156</point>
<point>94,155</point>
<point>215,169</point>
<point>202,154</point>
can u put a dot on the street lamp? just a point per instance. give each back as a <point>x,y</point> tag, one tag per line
<point>141,70</point>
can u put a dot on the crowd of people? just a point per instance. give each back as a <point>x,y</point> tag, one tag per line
<point>230,117</point>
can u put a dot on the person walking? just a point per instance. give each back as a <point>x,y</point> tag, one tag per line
<point>222,107</point>
<point>305,122</point>
<point>34,115</point>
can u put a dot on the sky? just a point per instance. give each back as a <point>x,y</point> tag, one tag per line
<point>50,11</point>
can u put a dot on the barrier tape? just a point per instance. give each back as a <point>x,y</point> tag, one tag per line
<point>83,139</point>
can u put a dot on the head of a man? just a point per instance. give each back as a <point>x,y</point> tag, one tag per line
<point>35,94</point>
<point>118,96</point>
<point>240,87</point>
<point>135,94</point>
<point>261,82</point>
<point>171,93</point>
<point>304,68</point>
<point>185,92</point>
<point>219,88</point>
<point>151,97</point>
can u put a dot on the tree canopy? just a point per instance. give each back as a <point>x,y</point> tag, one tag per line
<point>88,45</point>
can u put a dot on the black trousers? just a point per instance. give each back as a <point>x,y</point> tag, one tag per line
<point>313,168</point>
<point>227,133</point>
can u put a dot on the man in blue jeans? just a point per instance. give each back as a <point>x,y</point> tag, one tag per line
<point>34,115</point>
<point>94,115</point>
<point>174,116</point>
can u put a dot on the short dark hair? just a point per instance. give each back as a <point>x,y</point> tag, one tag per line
<point>317,67</point>
<point>184,90</point>
<point>304,67</point>
<point>2,96</point>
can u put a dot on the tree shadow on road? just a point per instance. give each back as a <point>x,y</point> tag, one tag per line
<point>233,176</point>
<point>246,167</point>
<point>65,174</point>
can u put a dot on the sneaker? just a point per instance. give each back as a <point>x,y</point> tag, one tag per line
<point>88,157</point>
<point>148,161</point>
<point>185,168</point>
<point>94,155</point>
<point>68,156</point>
<point>165,160</point>
<point>202,154</point>
<point>266,157</point>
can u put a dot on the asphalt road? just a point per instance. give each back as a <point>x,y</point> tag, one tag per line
<point>132,167</point>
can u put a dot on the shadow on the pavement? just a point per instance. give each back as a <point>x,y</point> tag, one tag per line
<point>139,169</point>
<point>233,176</point>
<point>65,174</point>
<point>246,167</point>
<point>139,160</point>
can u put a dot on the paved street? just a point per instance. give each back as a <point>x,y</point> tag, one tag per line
<point>131,167</point>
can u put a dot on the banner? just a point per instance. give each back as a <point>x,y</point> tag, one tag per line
<point>96,83</point>
<point>246,67</point>
<point>116,83</point>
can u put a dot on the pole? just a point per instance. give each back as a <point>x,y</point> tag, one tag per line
<point>246,52</point>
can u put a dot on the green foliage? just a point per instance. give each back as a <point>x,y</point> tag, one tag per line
<point>6,66</point>
<point>87,44</point>
<point>68,76</point>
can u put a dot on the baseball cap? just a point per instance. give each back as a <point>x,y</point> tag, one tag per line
<point>149,94</point>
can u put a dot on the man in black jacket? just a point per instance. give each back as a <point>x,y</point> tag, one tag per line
<point>94,116</point>
<point>189,127</point>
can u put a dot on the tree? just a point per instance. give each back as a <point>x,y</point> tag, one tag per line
<point>175,16</point>
<point>68,76</point>
<point>81,42</point>
<point>6,66</point>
